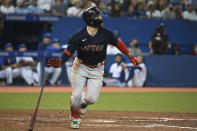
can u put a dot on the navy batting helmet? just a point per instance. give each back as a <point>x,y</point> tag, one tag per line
<point>89,17</point>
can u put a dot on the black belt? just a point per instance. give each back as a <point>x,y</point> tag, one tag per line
<point>92,66</point>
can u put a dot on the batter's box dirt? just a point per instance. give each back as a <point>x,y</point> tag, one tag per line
<point>13,120</point>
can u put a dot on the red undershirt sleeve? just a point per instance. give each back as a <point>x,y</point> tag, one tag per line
<point>122,47</point>
<point>68,52</point>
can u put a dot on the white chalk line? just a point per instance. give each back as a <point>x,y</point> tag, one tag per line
<point>106,123</point>
<point>164,119</point>
<point>103,121</point>
<point>168,126</point>
<point>167,119</point>
<point>145,126</point>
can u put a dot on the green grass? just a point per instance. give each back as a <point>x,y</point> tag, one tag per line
<point>180,102</point>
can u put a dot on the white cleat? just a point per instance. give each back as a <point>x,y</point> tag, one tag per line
<point>75,124</point>
<point>84,109</point>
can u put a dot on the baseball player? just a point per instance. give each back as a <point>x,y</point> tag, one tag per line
<point>9,62</point>
<point>49,46</point>
<point>24,69</point>
<point>137,75</point>
<point>90,42</point>
<point>54,47</point>
<point>114,76</point>
<point>46,40</point>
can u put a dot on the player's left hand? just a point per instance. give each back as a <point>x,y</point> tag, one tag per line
<point>134,60</point>
<point>56,63</point>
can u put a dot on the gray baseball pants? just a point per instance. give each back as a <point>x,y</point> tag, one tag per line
<point>84,76</point>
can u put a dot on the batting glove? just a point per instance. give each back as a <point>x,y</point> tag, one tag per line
<point>133,60</point>
<point>56,63</point>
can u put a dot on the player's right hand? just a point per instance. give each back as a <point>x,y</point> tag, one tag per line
<point>56,63</point>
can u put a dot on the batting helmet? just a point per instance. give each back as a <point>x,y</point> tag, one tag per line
<point>89,17</point>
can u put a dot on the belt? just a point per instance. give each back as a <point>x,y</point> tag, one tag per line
<point>92,66</point>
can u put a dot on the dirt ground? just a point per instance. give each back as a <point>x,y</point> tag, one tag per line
<point>13,120</point>
<point>16,120</point>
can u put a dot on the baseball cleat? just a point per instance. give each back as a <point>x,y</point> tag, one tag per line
<point>75,124</point>
<point>84,108</point>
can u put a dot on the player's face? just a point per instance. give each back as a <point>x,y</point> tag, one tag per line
<point>23,49</point>
<point>46,40</point>
<point>9,49</point>
<point>98,17</point>
<point>140,59</point>
<point>56,45</point>
<point>134,43</point>
<point>118,59</point>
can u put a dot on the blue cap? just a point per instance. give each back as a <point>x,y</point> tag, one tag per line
<point>47,35</point>
<point>7,45</point>
<point>55,40</point>
<point>21,46</point>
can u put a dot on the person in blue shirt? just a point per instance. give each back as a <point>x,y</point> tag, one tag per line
<point>8,63</point>
<point>21,7</point>
<point>34,9</point>
<point>25,67</point>
<point>54,72</point>
<point>113,77</point>
<point>136,74</point>
<point>46,41</point>
<point>54,47</point>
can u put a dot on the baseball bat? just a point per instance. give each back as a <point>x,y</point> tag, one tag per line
<point>35,112</point>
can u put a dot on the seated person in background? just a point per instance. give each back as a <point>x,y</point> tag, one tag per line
<point>25,67</point>
<point>22,7</point>
<point>134,47</point>
<point>168,12</point>
<point>59,8</point>
<point>137,74</point>
<point>190,13</point>
<point>45,5</point>
<point>8,63</point>
<point>75,10</point>
<point>55,72</point>
<point>152,12</point>
<point>33,8</point>
<point>114,77</point>
<point>7,7</point>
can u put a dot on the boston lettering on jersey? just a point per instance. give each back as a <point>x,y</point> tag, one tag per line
<point>91,49</point>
